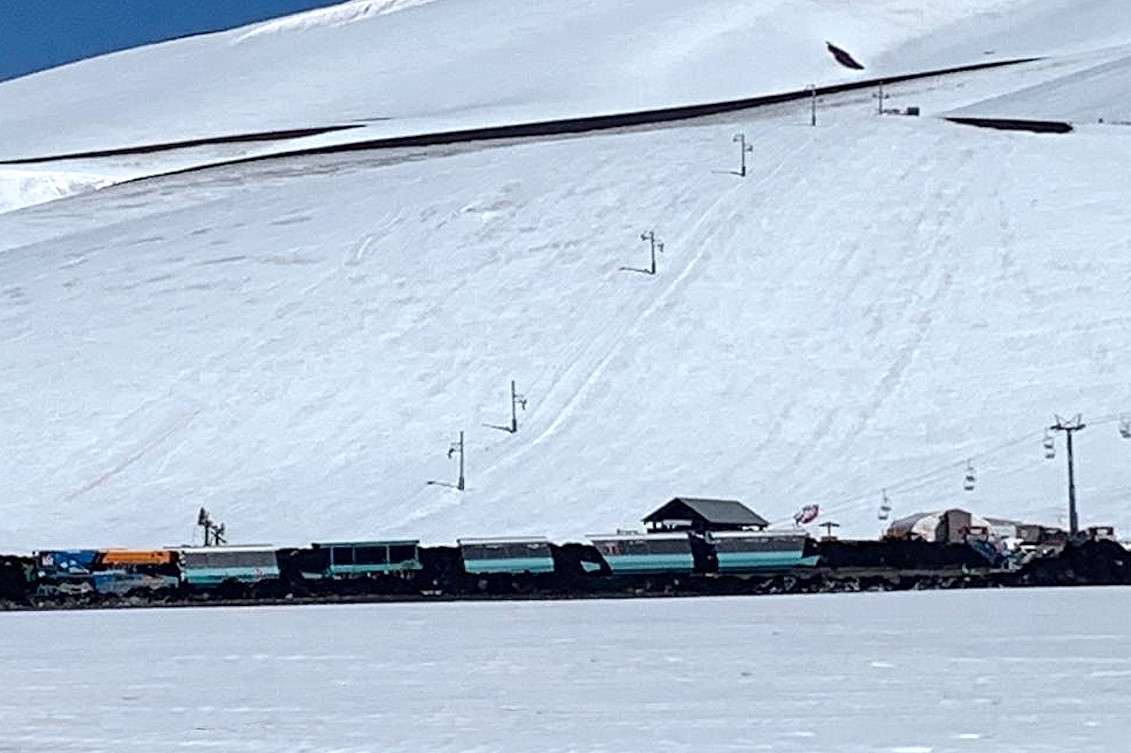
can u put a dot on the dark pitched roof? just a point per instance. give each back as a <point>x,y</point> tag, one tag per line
<point>728,512</point>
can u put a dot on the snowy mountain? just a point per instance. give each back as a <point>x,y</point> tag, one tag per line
<point>295,342</point>
<point>396,67</point>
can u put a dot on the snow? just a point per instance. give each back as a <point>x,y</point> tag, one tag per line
<point>945,672</point>
<point>1098,94</point>
<point>295,343</point>
<point>450,64</point>
<point>26,188</point>
<point>335,15</point>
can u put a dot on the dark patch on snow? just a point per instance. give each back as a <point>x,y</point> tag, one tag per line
<point>240,138</point>
<point>1009,124</point>
<point>843,57</point>
<point>590,124</point>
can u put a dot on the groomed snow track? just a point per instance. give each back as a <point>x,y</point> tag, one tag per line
<point>517,132</point>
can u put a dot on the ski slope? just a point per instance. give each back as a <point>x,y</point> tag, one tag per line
<point>295,343</point>
<point>1096,95</point>
<point>397,67</point>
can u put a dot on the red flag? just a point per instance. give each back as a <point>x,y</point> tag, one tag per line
<point>806,514</point>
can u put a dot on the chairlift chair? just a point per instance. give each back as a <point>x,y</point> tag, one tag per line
<point>885,507</point>
<point>1050,446</point>
<point>969,480</point>
<point>1125,427</point>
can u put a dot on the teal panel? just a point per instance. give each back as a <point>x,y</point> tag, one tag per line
<point>744,561</point>
<point>214,576</point>
<point>509,565</point>
<point>352,570</point>
<point>650,563</point>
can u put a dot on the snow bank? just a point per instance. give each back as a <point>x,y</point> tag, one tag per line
<point>24,188</point>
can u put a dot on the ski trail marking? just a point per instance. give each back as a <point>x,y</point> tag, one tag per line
<point>661,299</point>
<point>134,456</point>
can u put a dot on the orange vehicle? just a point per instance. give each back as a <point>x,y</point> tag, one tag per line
<point>135,557</point>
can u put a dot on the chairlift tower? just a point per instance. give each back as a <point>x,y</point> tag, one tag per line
<point>880,99</point>
<point>1069,428</point>
<point>654,245</point>
<point>743,150</point>
<point>516,401</point>
<point>812,104</point>
<point>457,448</point>
<point>885,506</point>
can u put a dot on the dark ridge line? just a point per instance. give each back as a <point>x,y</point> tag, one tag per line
<point>294,133</point>
<point>587,124</point>
<point>1010,124</point>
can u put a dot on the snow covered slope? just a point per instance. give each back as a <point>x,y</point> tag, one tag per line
<point>295,343</point>
<point>1098,94</point>
<point>405,66</point>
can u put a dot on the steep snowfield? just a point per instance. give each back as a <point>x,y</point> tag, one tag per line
<point>295,343</point>
<point>448,64</point>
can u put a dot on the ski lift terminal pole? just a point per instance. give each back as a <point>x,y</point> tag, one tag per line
<point>1069,428</point>
<point>516,401</point>
<point>743,150</point>
<point>457,447</point>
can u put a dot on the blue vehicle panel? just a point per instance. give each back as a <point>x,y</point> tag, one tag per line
<point>67,562</point>
<point>121,582</point>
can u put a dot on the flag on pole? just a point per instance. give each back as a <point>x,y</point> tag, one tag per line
<point>806,514</point>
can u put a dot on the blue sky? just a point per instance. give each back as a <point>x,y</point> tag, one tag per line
<point>39,34</point>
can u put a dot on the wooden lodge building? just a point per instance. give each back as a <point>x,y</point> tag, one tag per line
<point>704,515</point>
